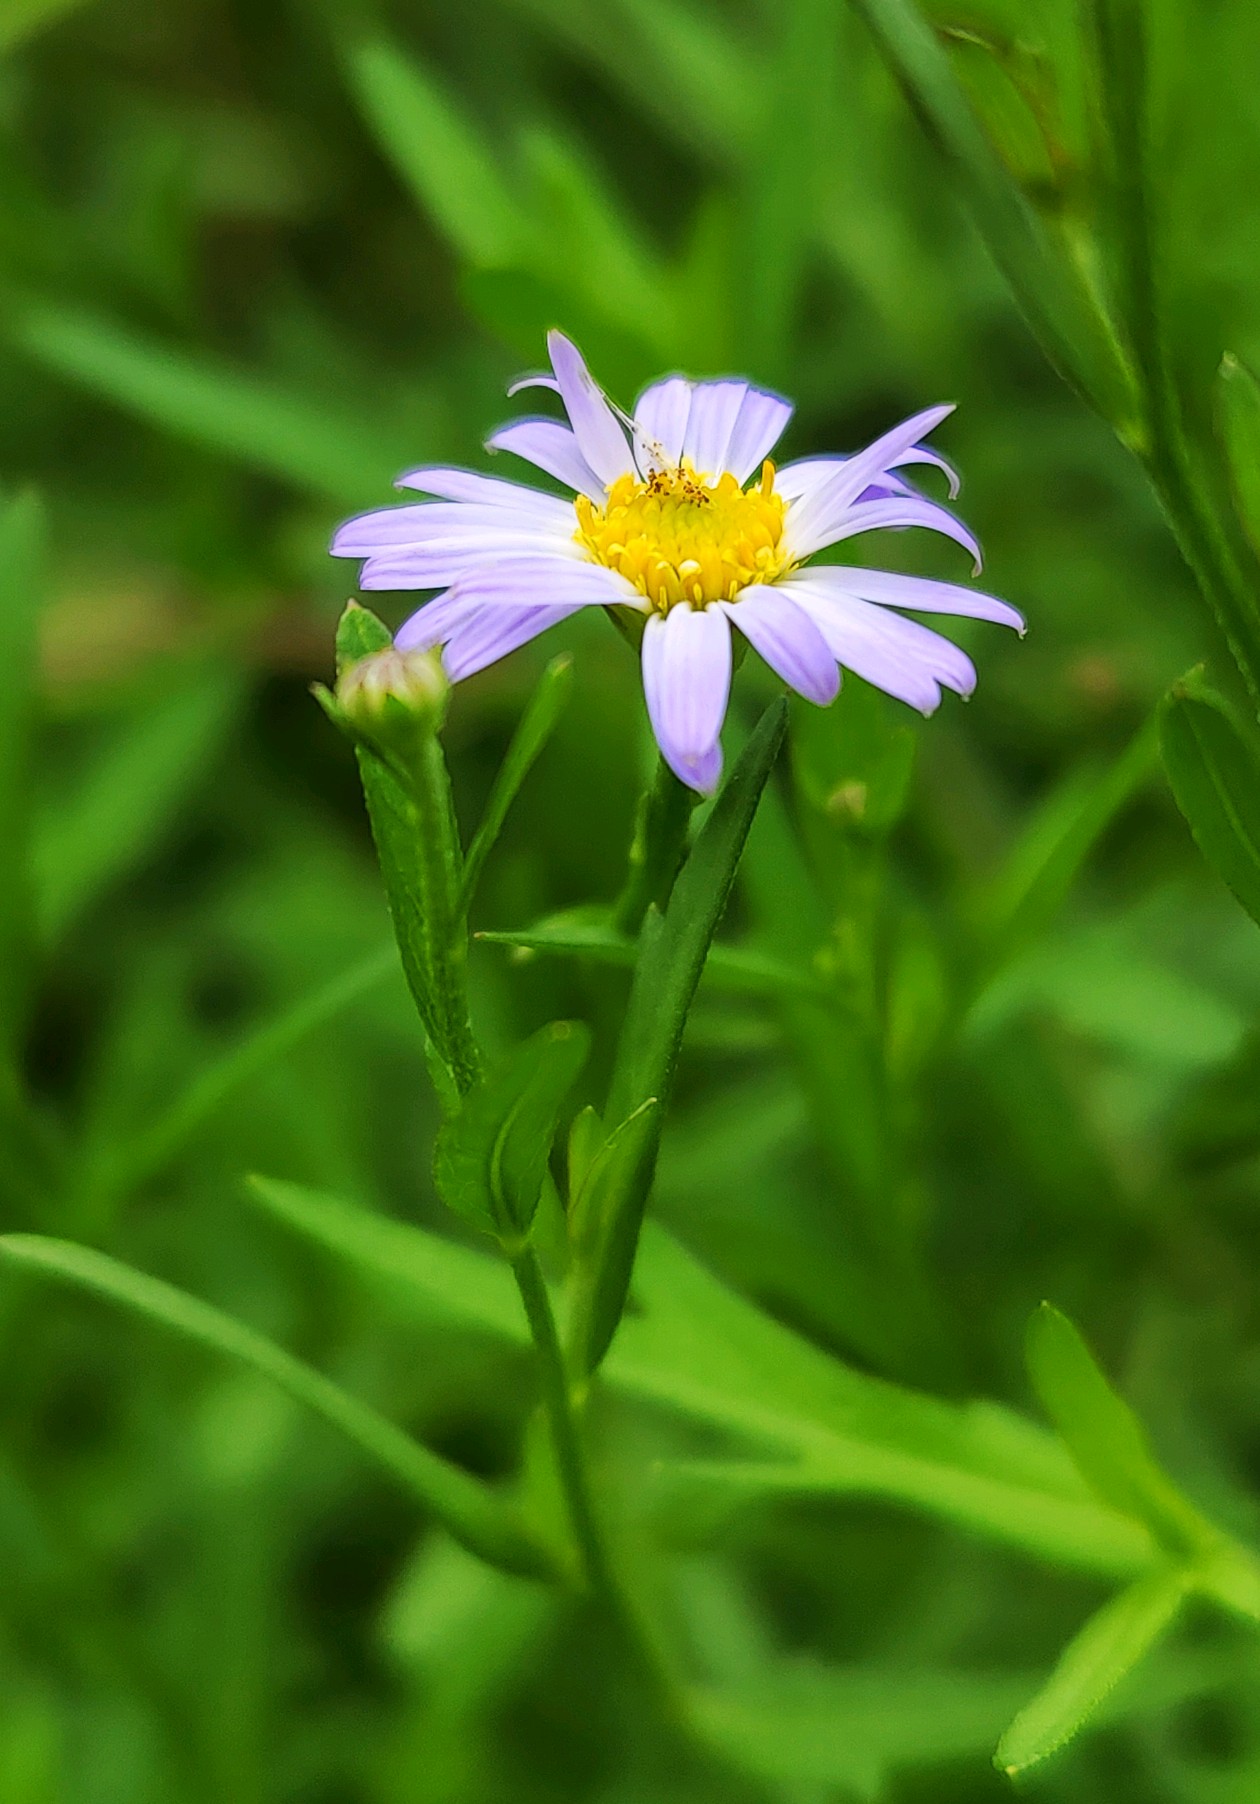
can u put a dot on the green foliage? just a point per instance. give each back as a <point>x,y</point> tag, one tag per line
<point>491,1158</point>
<point>977,1024</point>
<point>1214,770</point>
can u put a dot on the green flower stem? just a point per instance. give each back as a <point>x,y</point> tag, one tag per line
<point>658,848</point>
<point>562,1419</point>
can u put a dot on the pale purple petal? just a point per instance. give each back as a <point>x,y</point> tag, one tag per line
<point>535,379</point>
<point>787,638</point>
<point>922,454</point>
<point>715,407</point>
<point>490,633</point>
<point>489,491</point>
<point>574,582</point>
<point>759,426</point>
<point>550,447</point>
<point>433,623</point>
<point>448,522</point>
<point>799,480</point>
<point>660,418</point>
<point>919,593</point>
<point>445,561</point>
<point>899,656</point>
<point>686,683</point>
<point>600,437</point>
<point>814,520</point>
<point>901,510</point>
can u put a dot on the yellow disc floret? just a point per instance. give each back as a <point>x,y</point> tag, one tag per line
<point>681,537</point>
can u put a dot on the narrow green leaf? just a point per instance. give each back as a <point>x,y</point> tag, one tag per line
<point>215,1084</point>
<point>480,1521</point>
<point>491,1158</point>
<point>439,152</point>
<point>1058,309</point>
<point>1238,427</point>
<point>589,934</point>
<point>21,19</point>
<point>853,1728</point>
<point>417,843</point>
<point>821,1428</point>
<point>248,418</point>
<point>537,724</point>
<point>1090,1667</point>
<point>1105,1438</point>
<point>1215,775</point>
<point>21,583</point>
<point>609,1170</point>
<point>673,949</point>
<point>130,797</point>
<point>1033,884</point>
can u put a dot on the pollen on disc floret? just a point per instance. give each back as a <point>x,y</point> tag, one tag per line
<point>679,535</point>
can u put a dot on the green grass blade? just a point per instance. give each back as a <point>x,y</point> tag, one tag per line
<point>250,419</point>
<point>21,584</point>
<point>696,1349</point>
<point>538,723</point>
<point>437,151</point>
<point>584,934</point>
<point>1091,1666</point>
<point>479,1520</point>
<point>214,1085</point>
<point>127,801</point>
<point>1104,1436</point>
<point>1058,309</point>
<point>1215,775</point>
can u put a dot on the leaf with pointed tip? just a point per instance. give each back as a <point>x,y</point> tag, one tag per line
<point>491,1157</point>
<point>537,724</point>
<point>487,1525</point>
<point>1105,1438</point>
<point>1214,769</point>
<point>1090,1667</point>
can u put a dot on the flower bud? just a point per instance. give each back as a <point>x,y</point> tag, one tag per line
<point>392,698</point>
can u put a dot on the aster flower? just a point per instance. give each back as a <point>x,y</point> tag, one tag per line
<point>679,514</point>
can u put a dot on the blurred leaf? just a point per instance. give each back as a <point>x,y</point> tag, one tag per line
<point>1105,1438</point>
<point>21,591</point>
<point>853,1727</point>
<point>588,933</point>
<point>696,1348</point>
<point>536,726</point>
<point>853,763</point>
<point>1057,307</point>
<point>479,1520</point>
<point>491,1157</point>
<point>1238,426</point>
<point>164,1138</point>
<point>1090,1667</point>
<point>23,18</point>
<point>1034,882</point>
<point>673,949</point>
<point>438,152</point>
<point>248,418</point>
<point>1215,775</point>
<point>134,792</point>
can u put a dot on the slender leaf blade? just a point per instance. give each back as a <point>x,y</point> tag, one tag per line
<point>21,583</point>
<point>491,1158</point>
<point>479,1520</point>
<point>1215,775</point>
<point>1103,1435</point>
<point>537,724</point>
<point>1090,1667</point>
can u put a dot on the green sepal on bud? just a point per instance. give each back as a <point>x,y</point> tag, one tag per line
<point>388,700</point>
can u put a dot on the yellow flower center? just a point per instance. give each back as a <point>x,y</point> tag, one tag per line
<point>681,537</point>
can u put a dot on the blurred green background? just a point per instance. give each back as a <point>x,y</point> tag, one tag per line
<point>255,259</point>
